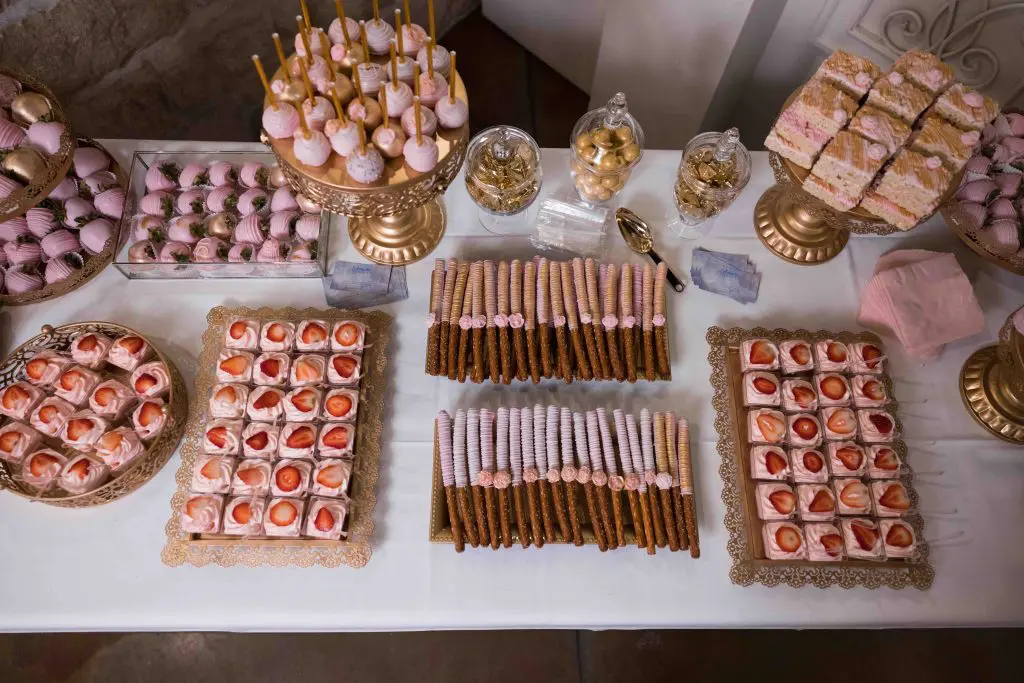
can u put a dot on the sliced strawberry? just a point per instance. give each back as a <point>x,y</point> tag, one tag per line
<point>226,394</point>
<point>194,506</point>
<point>218,436</point>
<point>336,438</point>
<point>237,329</point>
<point>761,353</point>
<point>110,441</point>
<point>131,344</point>
<point>345,366</point>
<point>78,428</point>
<point>783,501</point>
<point>804,396</point>
<point>813,461</point>
<point>866,536</point>
<point>36,368</point>
<point>304,401</point>
<point>257,441</point>
<point>324,520</point>
<point>833,386</point>
<point>276,332</point>
<point>250,476</point>
<point>895,497</point>
<point>235,365</point>
<point>871,355</point>
<point>48,413</point>
<point>805,428</point>
<point>881,422</point>
<point>80,469</point>
<point>149,413</point>
<point>822,502</point>
<point>144,382</point>
<point>300,438</point>
<point>313,333</point>
<point>242,512</point>
<point>788,539</point>
<point>885,459</point>
<point>40,463</point>
<point>339,405</point>
<point>14,396</point>
<point>801,354</point>
<point>306,371</point>
<point>283,513</point>
<point>763,385</point>
<point>211,470</point>
<point>9,441</point>
<point>69,379</point>
<point>842,422</point>
<point>899,536</point>
<point>835,352</point>
<point>772,428</point>
<point>87,343</point>
<point>103,396</point>
<point>854,495</point>
<point>268,399</point>
<point>874,390</point>
<point>833,544</point>
<point>270,367</point>
<point>851,457</point>
<point>331,476</point>
<point>774,462</point>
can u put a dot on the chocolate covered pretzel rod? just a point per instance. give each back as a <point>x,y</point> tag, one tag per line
<point>434,317</point>
<point>544,317</point>
<point>491,311</point>
<point>503,477</point>
<point>554,474</point>
<point>501,321</point>
<point>631,480</point>
<point>590,269</point>
<point>609,280</point>
<point>516,458</point>
<point>558,320</point>
<point>540,450</point>
<point>462,478</point>
<point>637,459</point>
<point>475,465</point>
<point>627,321</point>
<point>586,320</point>
<point>663,480</point>
<point>569,473</point>
<point>599,478</point>
<point>466,327</point>
<point>648,322</point>
<point>583,474</point>
<point>615,482</point>
<point>673,468</point>
<point>451,275</point>
<point>660,329</point>
<point>443,444</point>
<point>456,347</point>
<point>530,476</point>
<point>516,321</point>
<point>486,476</point>
<point>650,476</point>
<point>476,277</point>
<point>530,309</point>
<point>638,308</point>
<point>686,487</point>
<point>571,301</point>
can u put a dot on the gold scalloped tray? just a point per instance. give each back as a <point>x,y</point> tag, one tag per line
<point>749,563</point>
<point>138,473</point>
<point>202,549</point>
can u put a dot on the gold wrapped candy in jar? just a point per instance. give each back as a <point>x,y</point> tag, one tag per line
<point>606,144</point>
<point>713,170</point>
<point>503,177</point>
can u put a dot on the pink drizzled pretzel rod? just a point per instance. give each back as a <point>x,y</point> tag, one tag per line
<point>663,481</point>
<point>443,444</point>
<point>637,458</point>
<point>485,478</point>
<point>610,321</point>
<point>648,322</point>
<point>465,326</point>
<point>650,475</point>
<point>658,320</point>
<point>569,473</point>
<point>516,455</point>
<point>491,311</point>
<point>586,355</point>
<point>615,481</point>
<point>434,317</point>
<point>600,360</point>
<point>686,487</point>
<point>631,479</point>
<point>559,321</point>
<point>627,320</point>
<point>540,447</point>
<point>451,275</point>
<point>462,478</point>
<point>530,476</point>
<point>599,478</point>
<point>583,476</point>
<point>571,303</point>
<point>501,321</point>
<point>516,321</point>
<point>638,303</point>
<point>503,478</point>
<point>476,493</point>
<point>673,468</point>
<point>530,310</point>
<point>456,347</point>
<point>476,276</point>
<point>554,473</point>
<point>544,316</point>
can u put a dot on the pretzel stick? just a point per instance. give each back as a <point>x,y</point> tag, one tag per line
<point>485,477</point>
<point>599,354</point>
<point>663,480</point>
<point>476,492</point>
<point>686,488</point>
<point>638,308</point>
<point>543,316</point>
<point>598,478</point>
<point>466,327</point>
<point>631,479</point>
<point>530,476</point>
<point>650,475</point>
<point>559,320</point>
<point>451,275</point>
<point>569,473</point>
<point>571,303</point>
<point>610,322</point>
<point>627,320</point>
<point>554,474</point>
<point>588,361</point>
<point>443,448</point>
<point>648,322</point>
<point>462,478</point>
<point>658,319</point>
<point>636,455</point>
<point>673,468</point>
<point>583,474</point>
<point>456,349</point>
<point>502,322</point>
<point>503,478</point>
<point>615,482</point>
<point>540,450</point>
<point>434,317</point>
<point>530,309</point>
<point>491,310</point>
<point>516,321</point>
<point>476,276</point>
<point>516,459</point>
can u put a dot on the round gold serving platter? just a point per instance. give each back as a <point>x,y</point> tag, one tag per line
<point>145,467</point>
<point>960,225</point>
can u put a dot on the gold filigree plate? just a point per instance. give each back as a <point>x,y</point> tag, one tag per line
<point>197,550</point>
<point>748,563</point>
<point>138,473</point>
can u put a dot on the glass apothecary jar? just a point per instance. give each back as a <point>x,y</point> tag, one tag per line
<point>713,170</point>
<point>606,144</point>
<point>503,177</point>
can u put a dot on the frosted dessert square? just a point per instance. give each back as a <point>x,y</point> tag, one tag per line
<point>824,542</point>
<point>799,395</point>
<point>847,459</point>
<point>831,356</point>
<point>876,426</point>
<point>808,466</point>
<point>783,541</point>
<point>775,501</point>
<point>883,462</point>
<point>899,538</point>
<point>840,423</point>
<point>869,392</point>
<point>899,97</point>
<point>796,357</point>
<point>804,430</point>
<point>760,389</point>
<point>833,390</point>
<point>852,73</point>
<point>966,108</point>
<point>769,462</point>
<point>816,502</point>
<point>861,538</point>
<point>924,70</point>
<point>880,127</point>
<point>758,354</point>
<point>852,496</point>
<point>766,426</point>
<point>890,497</point>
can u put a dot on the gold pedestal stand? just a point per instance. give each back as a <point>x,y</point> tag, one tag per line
<point>992,385</point>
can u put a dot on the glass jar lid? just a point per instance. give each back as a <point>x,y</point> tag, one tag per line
<point>608,139</point>
<point>503,170</point>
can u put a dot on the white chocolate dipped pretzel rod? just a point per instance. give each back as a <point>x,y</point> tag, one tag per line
<point>451,275</point>
<point>569,293</point>
<point>462,477</point>
<point>594,293</point>
<point>446,457</point>
<point>544,316</point>
<point>541,456</point>
<point>599,478</point>
<point>515,440</point>
<point>434,317</point>
<point>673,468</point>
<point>615,481</point>
<point>530,476</point>
<point>530,311</point>
<point>663,481</point>
<point>650,475</point>
<point>475,465</point>
<point>569,473</point>
<point>485,478</point>
<point>647,296</point>
<point>630,479</point>
<point>501,321</point>
<point>637,458</point>
<point>554,474</point>
<point>583,476</point>
<point>686,487</point>
<point>586,321</point>
<point>658,320</point>
<point>503,477</point>
<point>476,276</point>
<point>610,320</point>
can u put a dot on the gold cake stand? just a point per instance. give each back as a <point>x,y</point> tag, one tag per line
<point>399,219</point>
<point>992,385</point>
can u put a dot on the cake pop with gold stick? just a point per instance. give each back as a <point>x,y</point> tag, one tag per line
<point>317,110</point>
<point>420,151</point>
<point>438,54</point>
<point>686,487</point>
<point>586,320</point>
<point>426,119</point>
<point>540,450</point>
<point>486,476</point>
<point>451,272</point>
<point>342,132</point>
<point>663,481</point>
<point>475,467</point>
<point>455,320</point>
<point>554,473</point>
<point>583,476</point>
<point>311,43</point>
<point>608,278</point>
<point>568,474</point>
<point>570,299</point>
<point>363,108</point>
<point>434,317</point>
<point>288,88</point>
<point>529,282</point>
<point>627,320</point>
<point>599,478</point>
<point>476,279</point>
<point>462,478</point>
<point>378,33</point>
<point>279,119</point>
<point>388,138</point>
<point>558,322</point>
<point>515,442</point>
<point>338,82</point>
<point>590,271</point>
<point>637,458</point>
<point>530,476</point>
<point>370,74</point>
<point>503,478</point>
<point>451,111</point>
<point>433,85</point>
<point>342,28</point>
<point>491,311</point>
<point>466,327</point>
<point>446,456</point>
<point>516,320</point>
<point>310,146</point>
<point>544,317</point>
<point>399,94</point>
<point>402,67</point>
<point>650,475</point>
<point>344,51</point>
<point>501,321</point>
<point>316,66</point>
<point>658,320</point>
<point>364,165</point>
<point>673,468</point>
<point>647,322</point>
<point>630,479</point>
<point>413,35</point>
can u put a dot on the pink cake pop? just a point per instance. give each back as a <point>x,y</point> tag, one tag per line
<point>441,58</point>
<point>427,121</point>
<point>341,132</point>
<point>388,139</point>
<point>402,67</point>
<point>45,136</point>
<point>420,151</point>
<point>378,33</point>
<point>335,31</point>
<point>317,112</point>
<point>364,109</point>
<point>311,147</point>
<point>451,111</point>
<point>432,88</point>
<point>413,35</point>
<point>365,164</point>
<point>399,95</point>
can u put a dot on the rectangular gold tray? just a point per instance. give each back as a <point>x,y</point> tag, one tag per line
<point>750,564</point>
<point>354,550</point>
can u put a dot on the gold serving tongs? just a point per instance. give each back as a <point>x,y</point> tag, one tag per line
<point>640,239</point>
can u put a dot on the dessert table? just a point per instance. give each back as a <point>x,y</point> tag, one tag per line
<point>100,568</point>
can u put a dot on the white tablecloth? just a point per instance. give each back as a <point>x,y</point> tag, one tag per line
<point>100,568</point>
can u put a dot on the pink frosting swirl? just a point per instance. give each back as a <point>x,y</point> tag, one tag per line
<point>599,478</point>
<point>616,482</point>
<point>530,474</point>
<point>629,321</point>
<point>501,320</point>
<point>933,162</point>
<point>516,320</point>
<point>632,481</point>
<point>569,473</point>
<point>650,477</point>
<point>973,99</point>
<point>559,321</point>
<point>479,322</point>
<point>502,479</point>
<point>610,322</point>
<point>553,476</point>
<point>466,322</point>
<point>659,320</point>
<point>431,319</point>
<point>896,78</point>
<point>663,480</point>
<point>586,318</point>
<point>583,474</point>
<point>485,478</point>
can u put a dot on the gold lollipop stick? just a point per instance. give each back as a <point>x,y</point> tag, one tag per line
<point>337,105</point>
<point>362,39</point>
<point>376,12</point>
<point>266,83</point>
<point>362,137</point>
<point>430,59</point>
<point>309,86</point>
<point>430,16</point>
<point>451,77</point>
<point>305,14</point>
<point>341,19</point>
<point>281,57</point>
<point>305,39</point>
<point>302,122</point>
<point>398,33</point>
<point>394,65</point>
<point>419,127</point>
<point>408,14</point>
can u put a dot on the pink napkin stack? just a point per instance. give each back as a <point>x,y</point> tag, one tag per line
<point>923,298</point>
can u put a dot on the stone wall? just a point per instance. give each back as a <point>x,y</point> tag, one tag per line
<point>174,69</point>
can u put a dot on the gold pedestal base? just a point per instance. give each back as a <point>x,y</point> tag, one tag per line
<point>986,389</point>
<point>402,238</point>
<point>793,233</point>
